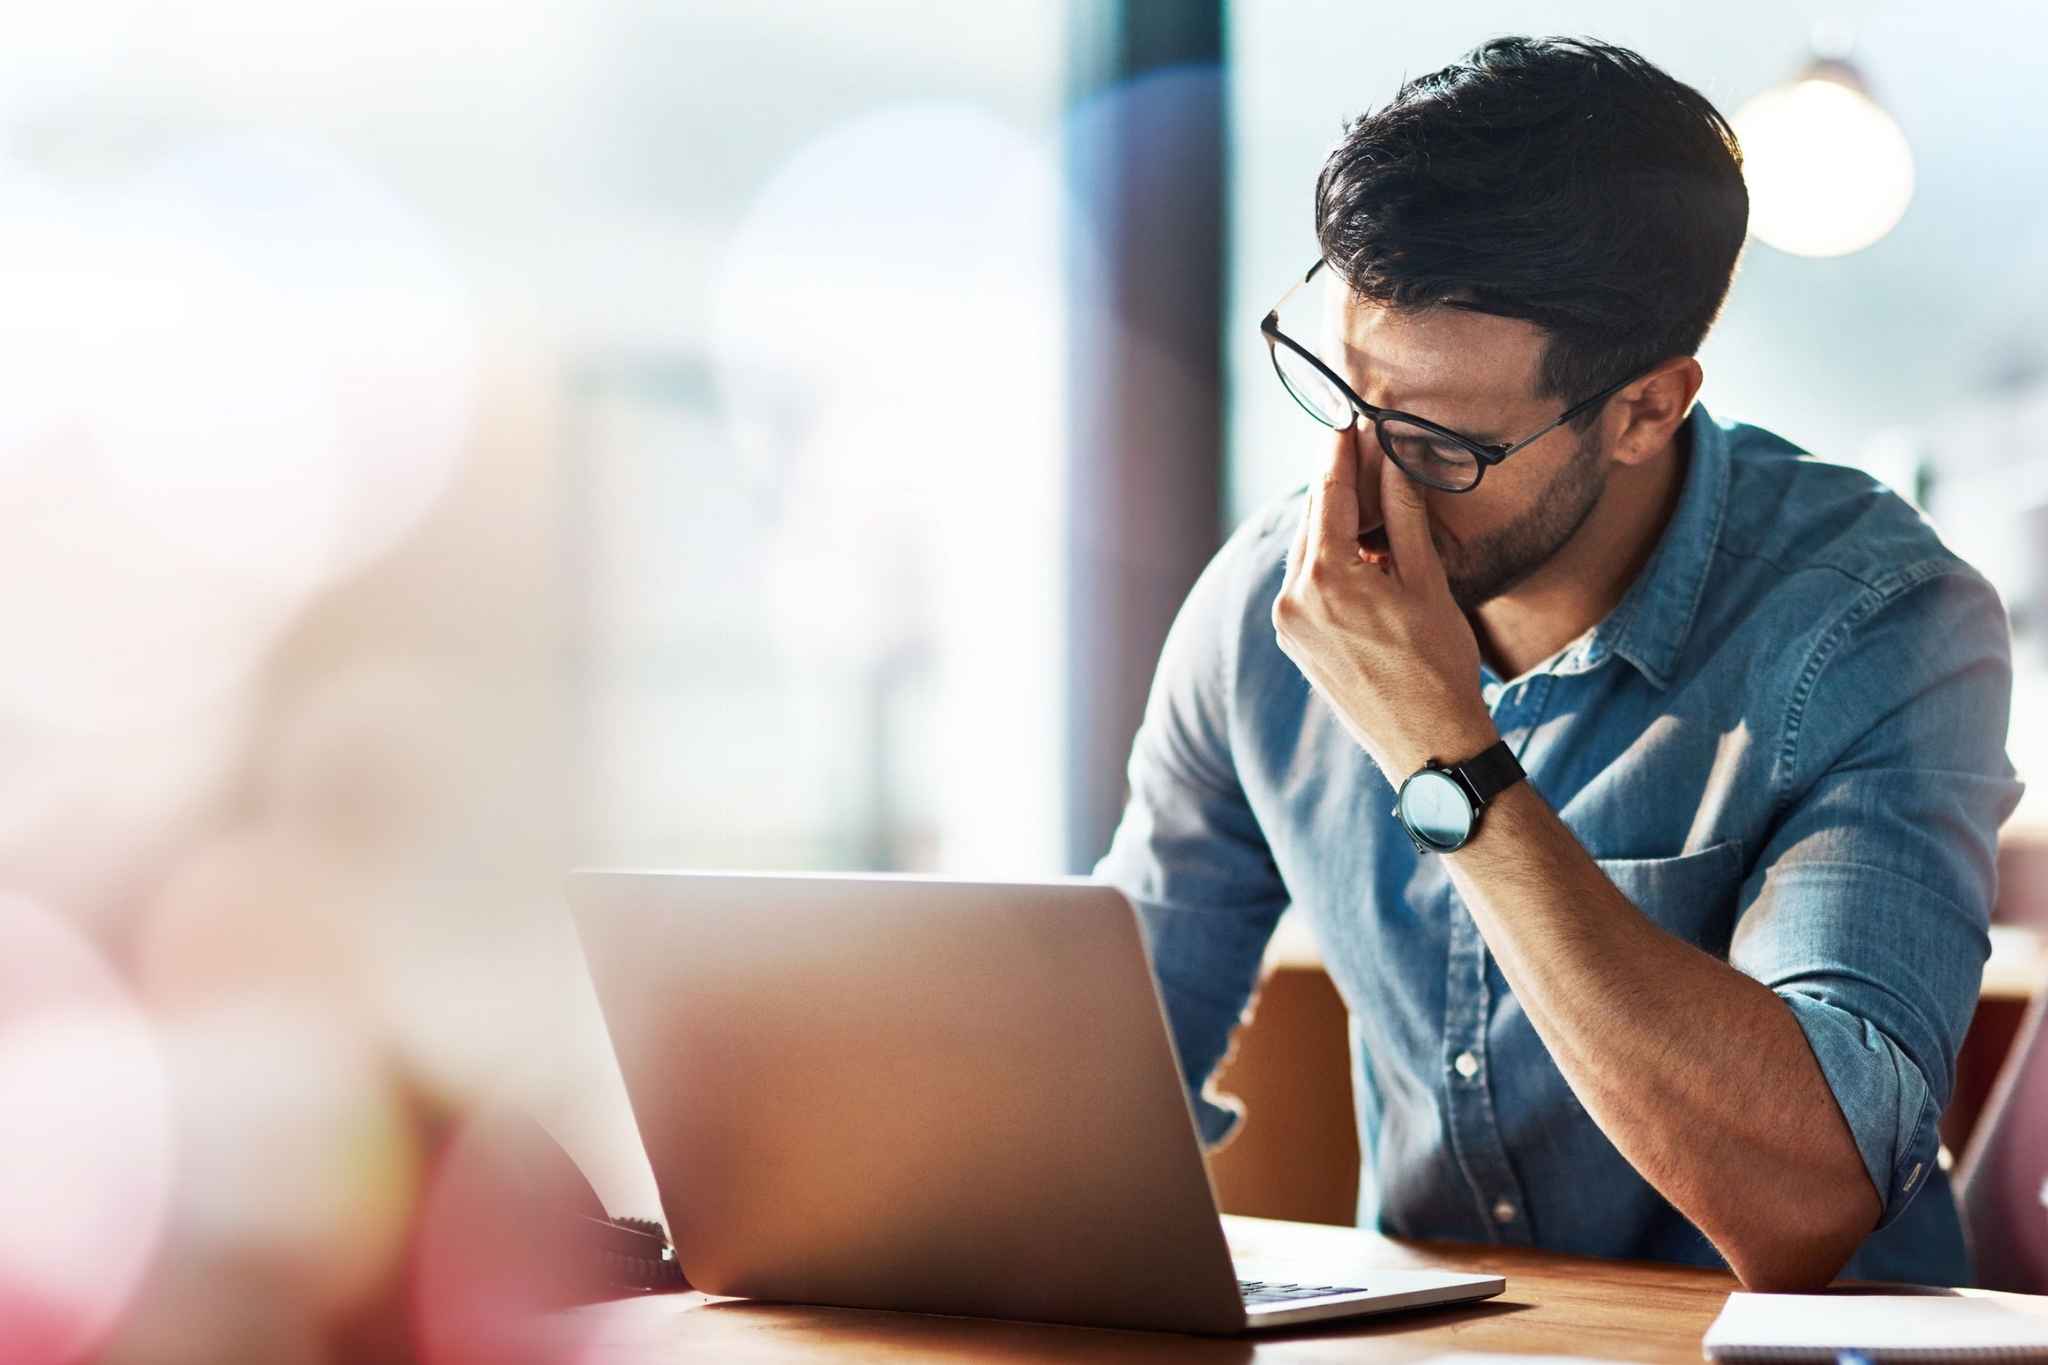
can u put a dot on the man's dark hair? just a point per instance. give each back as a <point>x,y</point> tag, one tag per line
<point>1561,181</point>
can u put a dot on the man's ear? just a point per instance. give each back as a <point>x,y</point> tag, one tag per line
<point>1646,413</point>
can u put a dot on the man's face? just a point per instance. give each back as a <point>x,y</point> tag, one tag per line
<point>1476,374</point>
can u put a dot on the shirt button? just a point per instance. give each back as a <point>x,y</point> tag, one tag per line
<point>1466,1065</point>
<point>1504,1211</point>
<point>1490,694</point>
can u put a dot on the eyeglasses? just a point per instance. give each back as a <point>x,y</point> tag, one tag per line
<point>1428,453</point>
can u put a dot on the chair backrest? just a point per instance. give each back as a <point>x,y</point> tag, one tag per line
<point>2002,1182</point>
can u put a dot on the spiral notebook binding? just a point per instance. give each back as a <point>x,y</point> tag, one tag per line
<point>1876,1355</point>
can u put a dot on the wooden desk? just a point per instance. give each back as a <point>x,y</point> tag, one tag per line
<point>1554,1304</point>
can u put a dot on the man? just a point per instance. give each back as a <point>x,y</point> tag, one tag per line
<point>1678,963</point>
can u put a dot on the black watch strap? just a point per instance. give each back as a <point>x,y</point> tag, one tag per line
<point>1490,773</point>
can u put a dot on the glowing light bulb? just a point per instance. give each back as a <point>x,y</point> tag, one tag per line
<point>1829,171</point>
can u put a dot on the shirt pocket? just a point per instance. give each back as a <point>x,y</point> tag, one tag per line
<point>1693,896</point>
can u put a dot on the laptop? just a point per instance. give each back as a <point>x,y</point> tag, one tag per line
<point>929,1095</point>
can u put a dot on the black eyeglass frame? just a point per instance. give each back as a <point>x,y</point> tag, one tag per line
<point>1484,453</point>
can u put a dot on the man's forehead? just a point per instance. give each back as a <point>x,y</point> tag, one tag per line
<point>1441,354</point>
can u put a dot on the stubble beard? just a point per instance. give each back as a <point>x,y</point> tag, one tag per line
<point>1486,568</point>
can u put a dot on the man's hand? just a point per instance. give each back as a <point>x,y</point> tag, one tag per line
<point>1379,635</point>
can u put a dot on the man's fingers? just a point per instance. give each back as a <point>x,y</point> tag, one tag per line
<point>1304,538</point>
<point>1404,505</point>
<point>1300,546</point>
<point>1336,501</point>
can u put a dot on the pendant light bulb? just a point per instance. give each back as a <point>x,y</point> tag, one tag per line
<point>1829,171</point>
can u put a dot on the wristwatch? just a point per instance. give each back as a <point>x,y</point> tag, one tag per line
<point>1439,804</point>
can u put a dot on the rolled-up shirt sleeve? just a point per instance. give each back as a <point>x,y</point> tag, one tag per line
<point>1866,910</point>
<point>1188,851</point>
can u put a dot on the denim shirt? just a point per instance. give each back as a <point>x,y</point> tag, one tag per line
<point>1785,745</point>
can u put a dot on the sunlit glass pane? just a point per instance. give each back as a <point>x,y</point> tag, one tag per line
<point>1312,388</point>
<point>1428,456</point>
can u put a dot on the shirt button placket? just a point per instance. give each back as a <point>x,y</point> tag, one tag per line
<point>1475,1138</point>
<point>1475,1134</point>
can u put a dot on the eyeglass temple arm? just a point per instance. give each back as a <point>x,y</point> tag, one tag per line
<point>1272,318</point>
<point>1500,453</point>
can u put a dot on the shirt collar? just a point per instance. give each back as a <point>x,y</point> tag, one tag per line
<point>1650,624</point>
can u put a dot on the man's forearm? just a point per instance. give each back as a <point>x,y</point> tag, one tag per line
<point>1698,1074</point>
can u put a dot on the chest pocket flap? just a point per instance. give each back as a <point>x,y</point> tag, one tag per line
<point>1693,896</point>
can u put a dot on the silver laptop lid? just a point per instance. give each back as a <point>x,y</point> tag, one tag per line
<point>910,1093</point>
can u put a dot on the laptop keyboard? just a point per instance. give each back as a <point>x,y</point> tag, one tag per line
<point>1256,1292</point>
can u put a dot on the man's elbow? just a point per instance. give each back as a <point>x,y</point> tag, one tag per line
<point>1784,1271</point>
<point>1778,1260</point>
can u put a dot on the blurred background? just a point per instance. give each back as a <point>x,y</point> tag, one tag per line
<point>443,443</point>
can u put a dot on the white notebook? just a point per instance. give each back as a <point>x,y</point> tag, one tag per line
<point>1879,1327</point>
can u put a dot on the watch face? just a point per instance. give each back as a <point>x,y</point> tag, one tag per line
<point>1436,809</point>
